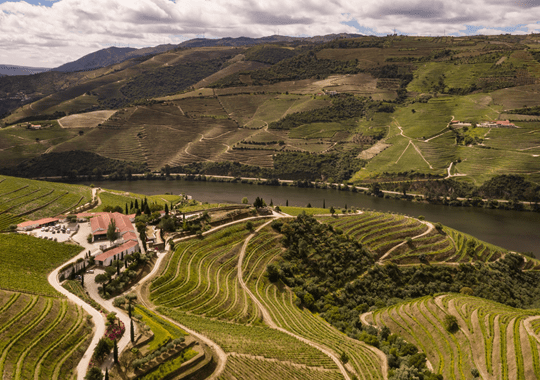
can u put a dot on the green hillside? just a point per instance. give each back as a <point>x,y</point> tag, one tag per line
<point>498,341</point>
<point>388,100</point>
<point>29,199</point>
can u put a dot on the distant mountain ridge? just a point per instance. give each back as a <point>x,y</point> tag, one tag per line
<point>6,70</point>
<point>114,55</point>
<point>110,56</point>
<point>243,41</point>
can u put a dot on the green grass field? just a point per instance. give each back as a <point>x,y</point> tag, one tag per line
<point>27,261</point>
<point>295,211</point>
<point>113,198</point>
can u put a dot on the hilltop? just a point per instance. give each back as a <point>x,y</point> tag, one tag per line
<point>406,108</point>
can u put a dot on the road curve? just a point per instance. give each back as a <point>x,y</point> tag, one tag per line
<point>96,315</point>
<point>431,227</point>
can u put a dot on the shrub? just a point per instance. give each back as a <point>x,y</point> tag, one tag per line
<point>467,291</point>
<point>119,301</point>
<point>450,323</point>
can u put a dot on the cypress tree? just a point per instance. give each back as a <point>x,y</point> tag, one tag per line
<point>115,352</point>
<point>106,374</point>
<point>127,211</point>
<point>131,331</point>
<point>287,203</point>
<point>324,203</point>
<point>82,280</point>
<point>136,203</point>
<point>131,205</point>
<point>118,267</point>
<point>147,210</point>
<point>166,209</point>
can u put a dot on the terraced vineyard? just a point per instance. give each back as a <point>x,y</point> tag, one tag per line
<point>198,287</point>
<point>26,261</point>
<point>200,278</point>
<point>279,301</point>
<point>40,337</point>
<point>386,235</point>
<point>31,199</point>
<point>500,341</point>
<point>245,366</point>
<point>259,341</point>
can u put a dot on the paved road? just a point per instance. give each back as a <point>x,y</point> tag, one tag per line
<point>96,315</point>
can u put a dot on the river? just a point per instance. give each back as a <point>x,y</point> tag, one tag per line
<point>513,230</point>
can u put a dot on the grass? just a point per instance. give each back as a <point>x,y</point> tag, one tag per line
<point>295,211</point>
<point>27,261</point>
<point>163,331</point>
<point>40,337</point>
<point>112,198</point>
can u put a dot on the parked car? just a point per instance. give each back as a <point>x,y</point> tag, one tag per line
<point>91,271</point>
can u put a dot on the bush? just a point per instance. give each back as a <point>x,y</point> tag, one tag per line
<point>467,291</point>
<point>450,323</point>
<point>119,301</point>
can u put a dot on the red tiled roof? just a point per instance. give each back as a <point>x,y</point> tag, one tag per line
<point>115,251</point>
<point>101,221</point>
<point>130,236</point>
<point>37,222</point>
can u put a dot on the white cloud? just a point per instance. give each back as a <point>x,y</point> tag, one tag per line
<point>65,30</point>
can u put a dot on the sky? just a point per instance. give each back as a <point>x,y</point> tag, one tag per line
<point>48,33</point>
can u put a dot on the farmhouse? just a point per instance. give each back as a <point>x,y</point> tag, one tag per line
<point>497,124</point>
<point>118,253</point>
<point>127,236</point>
<point>100,222</point>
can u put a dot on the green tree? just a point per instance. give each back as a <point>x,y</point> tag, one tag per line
<point>115,352</point>
<point>450,323</point>
<point>102,349</point>
<point>102,278</point>
<point>112,234</point>
<point>332,210</point>
<point>245,201</point>
<point>94,373</point>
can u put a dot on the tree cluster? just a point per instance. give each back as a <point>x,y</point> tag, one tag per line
<point>303,66</point>
<point>270,54</point>
<point>343,107</point>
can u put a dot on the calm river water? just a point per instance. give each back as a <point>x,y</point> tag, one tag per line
<point>513,230</point>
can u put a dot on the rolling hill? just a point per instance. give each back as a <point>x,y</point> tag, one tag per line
<point>419,105</point>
